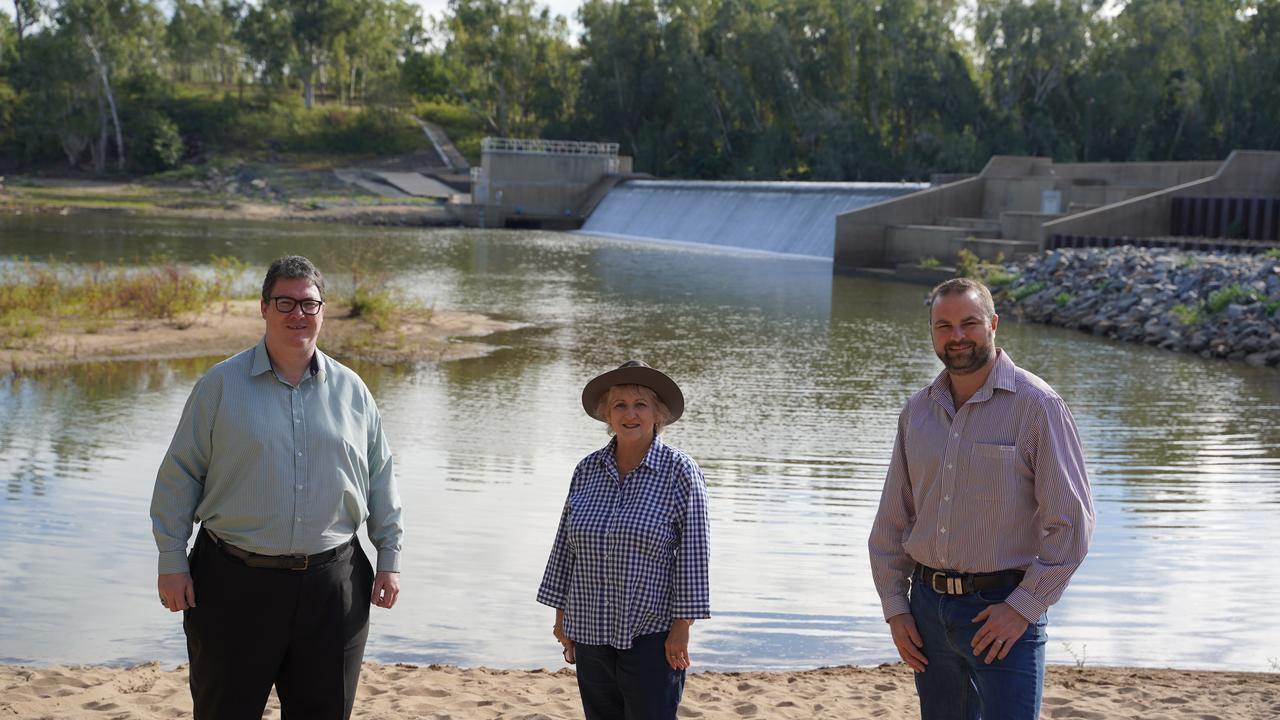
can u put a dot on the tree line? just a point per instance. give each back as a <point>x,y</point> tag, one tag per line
<point>746,89</point>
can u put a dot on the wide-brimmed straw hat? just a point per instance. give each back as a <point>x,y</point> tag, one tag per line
<point>634,372</point>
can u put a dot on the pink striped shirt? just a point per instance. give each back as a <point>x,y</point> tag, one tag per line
<point>998,485</point>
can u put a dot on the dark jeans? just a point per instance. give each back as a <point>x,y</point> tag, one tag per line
<point>300,630</point>
<point>634,684</point>
<point>957,685</point>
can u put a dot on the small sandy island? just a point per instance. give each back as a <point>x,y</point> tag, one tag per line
<point>406,691</point>
<point>225,329</point>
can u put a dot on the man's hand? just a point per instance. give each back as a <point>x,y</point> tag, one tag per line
<point>177,591</point>
<point>1001,629</point>
<point>907,639</point>
<point>386,587</point>
<point>677,645</point>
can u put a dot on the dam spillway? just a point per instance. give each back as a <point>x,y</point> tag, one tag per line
<point>791,218</point>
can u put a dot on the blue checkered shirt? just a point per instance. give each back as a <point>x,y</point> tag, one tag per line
<point>630,556</point>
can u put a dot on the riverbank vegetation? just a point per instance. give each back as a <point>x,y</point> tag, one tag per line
<point>792,89</point>
<point>36,298</point>
<point>54,314</point>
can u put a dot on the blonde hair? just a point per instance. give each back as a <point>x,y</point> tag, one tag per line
<point>661,410</point>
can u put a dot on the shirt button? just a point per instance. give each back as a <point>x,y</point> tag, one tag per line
<point>299,487</point>
<point>299,453</point>
<point>955,435</point>
<point>944,531</point>
<point>944,497</point>
<point>299,519</point>
<point>949,465</point>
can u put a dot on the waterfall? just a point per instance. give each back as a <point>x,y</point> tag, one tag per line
<point>792,218</point>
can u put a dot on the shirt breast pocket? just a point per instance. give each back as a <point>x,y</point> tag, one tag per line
<point>993,470</point>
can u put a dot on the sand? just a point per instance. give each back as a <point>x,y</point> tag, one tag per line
<point>418,336</point>
<point>405,691</point>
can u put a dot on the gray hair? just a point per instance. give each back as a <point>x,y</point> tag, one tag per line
<point>291,267</point>
<point>960,286</point>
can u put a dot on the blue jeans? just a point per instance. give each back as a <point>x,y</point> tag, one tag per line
<point>958,685</point>
<point>633,684</point>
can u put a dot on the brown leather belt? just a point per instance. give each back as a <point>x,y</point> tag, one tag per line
<point>950,582</point>
<point>277,562</point>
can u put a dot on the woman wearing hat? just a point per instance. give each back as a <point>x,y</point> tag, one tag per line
<point>628,571</point>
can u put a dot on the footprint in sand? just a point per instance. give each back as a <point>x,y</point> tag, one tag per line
<point>99,706</point>
<point>745,709</point>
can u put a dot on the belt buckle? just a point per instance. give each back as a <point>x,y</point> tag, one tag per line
<point>305,559</point>
<point>952,586</point>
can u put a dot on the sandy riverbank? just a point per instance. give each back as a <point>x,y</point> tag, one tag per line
<point>403,691</point>
<point>334,202</point>
<point>417,336</point>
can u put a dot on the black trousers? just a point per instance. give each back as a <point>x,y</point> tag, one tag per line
<point>634,684</point>
<point>301,630</point>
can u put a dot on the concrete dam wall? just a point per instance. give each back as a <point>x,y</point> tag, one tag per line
<point>792,218</point>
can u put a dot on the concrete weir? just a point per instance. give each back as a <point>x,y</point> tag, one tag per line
<point>791,218</point>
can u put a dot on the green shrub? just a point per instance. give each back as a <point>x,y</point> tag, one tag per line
<point>1272,254</point>
<point>1219,299</point>
<point>1188,314</point>
<point>377,307</point>
<point>1021,293</point>
<point>999,277</point>
<point>157,145</point>
<point>930,262</point>
<point>967,264</point>
<point>1062,299</point>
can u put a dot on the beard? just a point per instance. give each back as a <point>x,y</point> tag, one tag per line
<point>966,358</point>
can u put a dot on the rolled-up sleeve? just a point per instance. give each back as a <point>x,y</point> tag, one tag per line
<point>386,530</point>
<point>1065,510</point>
<point>691,596</point>
<point>891,566</point>
<point>554,589</point>
<point>181,477</point>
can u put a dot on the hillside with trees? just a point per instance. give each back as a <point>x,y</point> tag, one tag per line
<point>743,89</point>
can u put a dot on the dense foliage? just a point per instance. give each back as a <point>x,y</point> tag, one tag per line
<point>801,89</point>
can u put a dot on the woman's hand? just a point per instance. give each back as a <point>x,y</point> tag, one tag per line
<point>677,646</point>
<point>558,630</point>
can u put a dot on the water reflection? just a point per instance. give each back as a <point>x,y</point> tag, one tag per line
<point>794,380</point>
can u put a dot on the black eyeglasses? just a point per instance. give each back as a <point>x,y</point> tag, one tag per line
<point>285,304</point>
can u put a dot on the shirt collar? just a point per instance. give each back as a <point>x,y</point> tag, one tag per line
<point>262,361</point>
<point>1003,377</point>
<point>608,454</point>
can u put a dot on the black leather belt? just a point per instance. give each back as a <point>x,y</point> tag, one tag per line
<point>949,582</point>
<point>278,562</point>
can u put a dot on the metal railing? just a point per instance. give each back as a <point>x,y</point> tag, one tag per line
<point>548,147</point>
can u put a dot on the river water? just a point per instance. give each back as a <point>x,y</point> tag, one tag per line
<point>794,380</point>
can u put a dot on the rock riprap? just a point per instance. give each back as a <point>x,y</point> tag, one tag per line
<point>1223,306</point>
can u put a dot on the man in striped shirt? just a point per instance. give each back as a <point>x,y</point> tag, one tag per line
<point>280,456</point>
<point>985,515</point>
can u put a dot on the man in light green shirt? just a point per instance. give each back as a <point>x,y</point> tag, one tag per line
<point>280,456</point>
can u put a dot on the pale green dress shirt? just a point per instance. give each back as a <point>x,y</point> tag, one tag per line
<point>277,469</point>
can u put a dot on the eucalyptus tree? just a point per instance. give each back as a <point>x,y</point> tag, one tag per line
<point>1033,56</point>
<point>265,33</point>
<point>623,92</point>
<point>374,43</point>
<point>99,41</point>
<point>201,40</point>
<point>508,62</point>
<point>1257,113</point>
<point>26,15</point>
